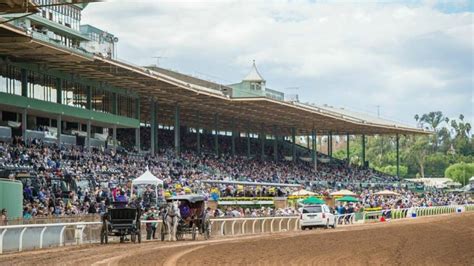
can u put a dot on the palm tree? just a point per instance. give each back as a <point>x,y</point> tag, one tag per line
<point>434,119</point>
<point>461,128</point>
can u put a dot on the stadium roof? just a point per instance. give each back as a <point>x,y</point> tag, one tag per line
<point>198,99</point>
<point>16,6</point>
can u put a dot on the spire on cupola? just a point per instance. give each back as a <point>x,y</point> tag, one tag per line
<point>254,75</point>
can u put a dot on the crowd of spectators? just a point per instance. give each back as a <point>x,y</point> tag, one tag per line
<point>68,180</point>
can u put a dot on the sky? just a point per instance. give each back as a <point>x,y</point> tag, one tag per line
<point>398,58</point>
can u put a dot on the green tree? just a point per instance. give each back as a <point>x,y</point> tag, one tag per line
<point>434,120</point>
<point>462,141</point>
<point>437,163</point>
<point>417,151</point>
<point>392,170</point>
<point>460,172</point>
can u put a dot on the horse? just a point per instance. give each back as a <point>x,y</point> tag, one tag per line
<point>171,220</point>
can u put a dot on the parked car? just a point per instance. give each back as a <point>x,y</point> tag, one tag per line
<point>317,216</point>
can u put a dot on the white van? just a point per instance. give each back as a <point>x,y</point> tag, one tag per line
<point>317,215</point>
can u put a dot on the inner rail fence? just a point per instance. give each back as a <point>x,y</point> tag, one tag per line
<point>15,238</point>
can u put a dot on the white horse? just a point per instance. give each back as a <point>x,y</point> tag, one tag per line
<point>172,218</point>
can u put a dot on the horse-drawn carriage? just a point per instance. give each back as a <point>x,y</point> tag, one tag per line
<point>121,222</point>
<point>185,214</point>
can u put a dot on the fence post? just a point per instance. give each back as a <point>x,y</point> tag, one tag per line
<point>90,234</point>
<point>1,240</point>
<point>263,225</point>
<point>222,227</point>
<point>363,217</point>
<point>253,226</point>
<point>288,224</point>
<point>41,237</point>
<point>243,227</point>
<point>61,236</point>
<point>20,245</point>
<point>271,225</point>
<point>233,223</point>
<point>279,224</point>
<point>296,224</point>
<point>211,225</point>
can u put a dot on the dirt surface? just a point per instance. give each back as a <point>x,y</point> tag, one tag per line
<point>440,240</point>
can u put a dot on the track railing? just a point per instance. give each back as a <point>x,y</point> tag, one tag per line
<point>253,225</point>
<point>36,236</point>
<point>415,212</point>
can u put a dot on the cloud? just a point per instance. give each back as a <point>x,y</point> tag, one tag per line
<point>407,58</point>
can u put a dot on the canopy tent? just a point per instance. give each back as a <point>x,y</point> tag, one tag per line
<point>303,192</point>
<point>343,192</point>
<point>348,199</point>
<point>387,193</point>
<point>312,201</point>
<point>147,178</point>
<point>453,184</point>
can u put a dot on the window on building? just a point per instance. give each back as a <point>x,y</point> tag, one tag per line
<point>102,100</point>
<point>126,105</point>
<point>10,79</point>
<point>41,87</point>
<point>255,86</point>
<point>74,94</point>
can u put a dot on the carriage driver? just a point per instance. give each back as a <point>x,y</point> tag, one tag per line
<point>121,200</point>
<point>184,211</point>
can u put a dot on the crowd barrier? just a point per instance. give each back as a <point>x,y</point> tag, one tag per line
<point>15,238</point>
<point>415,212</point>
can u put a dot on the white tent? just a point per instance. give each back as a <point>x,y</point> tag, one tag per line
<point>147,178</point>
<point>303,192</point>
<point>387,193</point>
<point>343,192</point>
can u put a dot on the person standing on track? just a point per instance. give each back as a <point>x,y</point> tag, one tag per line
<point>147,217</point>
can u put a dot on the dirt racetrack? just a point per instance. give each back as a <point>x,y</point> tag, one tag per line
<point>441,240</point>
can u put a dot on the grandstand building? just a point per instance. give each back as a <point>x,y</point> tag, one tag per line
<point>60,82</point>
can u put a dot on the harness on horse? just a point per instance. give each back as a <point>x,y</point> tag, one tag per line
<point>169,211</point>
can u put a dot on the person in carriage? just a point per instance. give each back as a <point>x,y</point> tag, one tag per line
<point>121,200</point>
<point>185,211</point>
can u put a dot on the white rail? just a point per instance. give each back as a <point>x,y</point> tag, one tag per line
<point>36,236</point>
